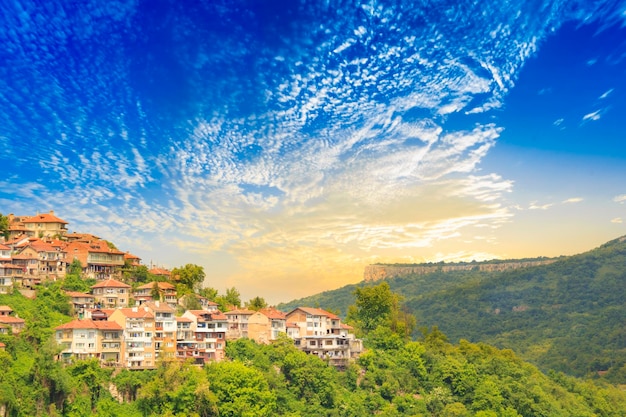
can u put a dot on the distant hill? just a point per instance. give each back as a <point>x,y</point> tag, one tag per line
<point>568,315</point>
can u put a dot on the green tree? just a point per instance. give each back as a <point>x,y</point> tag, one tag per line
<point>190,276</point>
<point>232,297</point>
<point>4,226</point>
<point>378,306</point>
<point>154,291</point>
<point>256,304</point>
<point>241,390</point>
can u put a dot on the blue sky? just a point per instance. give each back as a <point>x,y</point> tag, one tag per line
<point>285,145</point>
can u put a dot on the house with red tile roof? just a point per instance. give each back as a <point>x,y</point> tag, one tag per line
<point>40,225</point>
<point>15,323</point>
<point>40,260</point>
<point>111,293</point>
<point>99,261</point>
<point>81,301</point>
<point>278,321</point>
<point>321,333</point>
<point>238,323</point>
<point>84,339</point>
<point>161,273</point>
<point>132,260</point>
<point>167,293</point>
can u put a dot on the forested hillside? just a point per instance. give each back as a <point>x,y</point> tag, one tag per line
<point>394,377</point>
<point>567,316</point>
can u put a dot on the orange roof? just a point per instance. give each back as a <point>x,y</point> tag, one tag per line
<point>11,320</point>
<point>160,284</point>
<point>128,255</point>
<point>315,312</point>
<point>346,326</point>
<point>183,319</point>
<point>44,218</point>
<point>272,313</point>
<point>136,312</point>
<point>111,283</point>
<point>4,247</point>
<point>78,294</point>
<point>160,271</point>
<point>6,308</point>
<point>243,312</point>
<point>215,315</point>
<point>90,324</point>
<point>152,305</point>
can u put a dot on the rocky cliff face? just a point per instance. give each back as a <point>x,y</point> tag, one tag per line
<point>378,272</point>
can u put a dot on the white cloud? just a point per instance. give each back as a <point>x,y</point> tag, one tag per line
<point>617,220</point>
<point>620,198</point>
<point>536,206</point>
<point>572,200</point>
<point>595,116</point>
<point>606,94</point>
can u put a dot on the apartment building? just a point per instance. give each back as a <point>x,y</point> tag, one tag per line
<point>164,337</point>
<point>209,330</point>
<point>238,323</point>
<point>99,261</point>
<point>321,333</point>
<point>85,339</point>
<point>277,322</point>
<point>138,327</point>
<point>40,260</point>
<point>111,294</point>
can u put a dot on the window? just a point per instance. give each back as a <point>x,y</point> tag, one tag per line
<point>80,345</point>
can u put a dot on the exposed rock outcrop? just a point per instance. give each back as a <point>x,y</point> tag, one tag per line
<point>378,272</point>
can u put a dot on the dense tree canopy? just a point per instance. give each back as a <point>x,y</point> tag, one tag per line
<point>190,277</point>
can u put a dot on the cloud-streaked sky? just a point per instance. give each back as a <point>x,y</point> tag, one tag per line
<point>285,145</point>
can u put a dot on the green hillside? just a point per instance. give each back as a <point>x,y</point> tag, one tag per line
<point>568,316</point>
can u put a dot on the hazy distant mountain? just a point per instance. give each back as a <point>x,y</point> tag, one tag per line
<point>568,315</point>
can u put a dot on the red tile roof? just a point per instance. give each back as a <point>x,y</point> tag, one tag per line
<point>136,312</point>
<point>241,311</point>
<point>111,283</point>
<point>160,284</point>
<point>90,324</point>
<point>4,247</point>
<point>272,313</point>
<point>316,312</point>
<point>76,294</point>
<point>11,320</point>
<point>44,218</point>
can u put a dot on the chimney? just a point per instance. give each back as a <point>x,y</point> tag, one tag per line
<point>157,303</point>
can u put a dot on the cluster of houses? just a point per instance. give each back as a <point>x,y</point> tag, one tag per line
<point>135,329</point>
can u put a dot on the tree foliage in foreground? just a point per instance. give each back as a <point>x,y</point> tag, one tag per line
<point>394,377</point>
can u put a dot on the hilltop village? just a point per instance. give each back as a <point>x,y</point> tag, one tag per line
<point>126,323</point>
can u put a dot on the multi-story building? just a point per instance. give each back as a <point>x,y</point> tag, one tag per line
<point>40,225</point>
<point>132,260</point>
<point>81,302</point>
<point>10,277</point>
<point>138,327</point>
<point>321,333</point>
<point>164,329</point>
<point>185,338</point>
<point>40,260</point>
<point>209,328</point>
<point>167,293</point>
<point>111,294</point>
<point>238,323</point>
<point>278,322</point>
<point>84,339</point>
<point>99,261</point>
